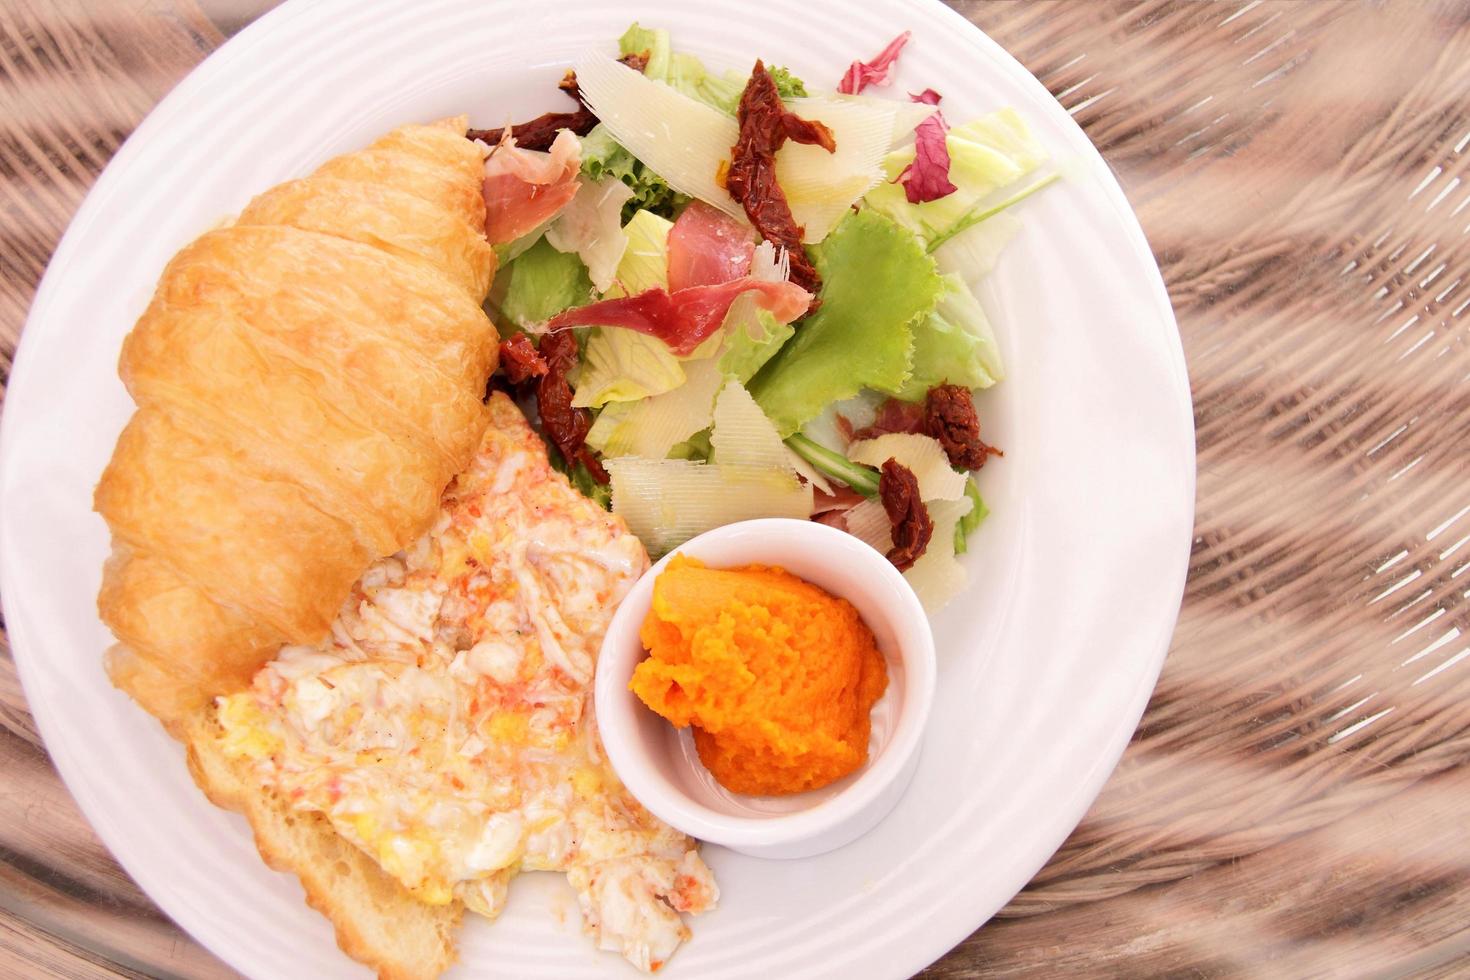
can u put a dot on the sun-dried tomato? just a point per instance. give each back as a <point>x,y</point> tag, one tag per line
<point>765,125</point>
<point>893,416</point>
<point>520,360</point>
<point>563,424</point>
<point>949,416</point>
<point>539,133</point>
<point>898,488</point>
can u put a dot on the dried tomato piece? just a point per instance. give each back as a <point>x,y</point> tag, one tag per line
<point>539,133</point>
<point>520,360</point>
<point>563,424</point>
<point>898,488</point>
<point>751,179</point>
<point>949,416</point>
<point>893,416</point>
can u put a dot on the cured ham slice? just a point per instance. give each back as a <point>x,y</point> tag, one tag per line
<point>686,317</point>
<point>707,247</point>
<point>526,188</point>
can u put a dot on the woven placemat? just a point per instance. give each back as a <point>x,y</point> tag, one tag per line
<point>1294,801</point>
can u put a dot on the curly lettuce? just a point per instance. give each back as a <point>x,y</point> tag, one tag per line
<point>953,345</point>
<point>687,73</point>
<point>878,284</point>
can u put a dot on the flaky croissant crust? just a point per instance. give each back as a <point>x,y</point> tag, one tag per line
<point>308,379</point>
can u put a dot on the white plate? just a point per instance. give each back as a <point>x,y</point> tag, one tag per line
<point>1045,663</point>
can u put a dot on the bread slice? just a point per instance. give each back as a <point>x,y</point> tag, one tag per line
<point>377,920</point>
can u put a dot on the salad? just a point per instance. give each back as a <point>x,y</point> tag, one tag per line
<point>730,296</point>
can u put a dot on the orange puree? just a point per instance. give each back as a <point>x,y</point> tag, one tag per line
<point>777,676</point>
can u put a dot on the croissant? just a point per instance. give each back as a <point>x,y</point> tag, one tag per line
<point>308,379</point>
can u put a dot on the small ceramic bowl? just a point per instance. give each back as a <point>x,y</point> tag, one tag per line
<point>658,763</point>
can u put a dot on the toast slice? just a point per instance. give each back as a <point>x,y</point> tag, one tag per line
<point>377,920</point>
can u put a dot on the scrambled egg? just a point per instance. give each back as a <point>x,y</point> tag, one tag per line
<point>446,726</point>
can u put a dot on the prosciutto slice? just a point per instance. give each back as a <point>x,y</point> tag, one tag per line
<point>684,318</point>
<point>707,247</point>
<point>526,188</point>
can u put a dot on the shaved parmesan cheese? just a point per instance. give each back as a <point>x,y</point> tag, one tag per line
<point>653,426</point>
<point>921,454</point>
<point>937,577</point>
<point>808,472</point>
<point>686,141</point>
<point>906,115</point>
<point>681,139</point>
<point>821,186</point>
<point>869,523</point>
<point>742,433</point>
<point>592,226</point>
<point>668,501</point>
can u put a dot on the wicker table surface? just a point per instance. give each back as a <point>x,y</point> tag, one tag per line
<point>1294,802</point>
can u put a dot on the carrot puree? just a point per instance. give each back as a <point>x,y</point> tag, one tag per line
<point>777,676</point>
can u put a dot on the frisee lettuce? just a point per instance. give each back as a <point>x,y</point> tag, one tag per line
<point>878,282</point>
<point>603,156</point>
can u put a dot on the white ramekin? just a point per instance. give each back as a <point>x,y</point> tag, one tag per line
<point>658,764</point>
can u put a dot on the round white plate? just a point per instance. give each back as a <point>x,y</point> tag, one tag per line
<point>1045,663</point>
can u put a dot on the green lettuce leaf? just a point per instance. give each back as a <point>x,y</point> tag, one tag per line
<point>603,156</point>
<point>985,154</point>
<point>967,523</point>
<point>543,282</point>
<point>650,42</point>
<point>623,365</point>
<point>953,345</point>
<point>745,354</point>
<point>878,282</point>
<point>645,262</point>
<point>687,73</point>
<point>580,478</point>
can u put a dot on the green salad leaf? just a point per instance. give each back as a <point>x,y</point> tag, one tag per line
<point>543,282</point>
<point>687,73</point>
<point>953,345</point>
<point>878,282</point>
<point>580,478</point>
<point>966,525</point>
<point>603,156</point>
<point>986,155</point>
<point>746,353</point>
<point>653,43</point>
<point>829,462</point>
<point>622,365</point>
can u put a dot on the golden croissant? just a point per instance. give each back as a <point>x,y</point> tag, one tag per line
<point>308,379</point>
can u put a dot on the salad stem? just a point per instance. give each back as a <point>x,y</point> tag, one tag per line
<point>967,524</point>
<point>975,217</point>
<point>863,479</point>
